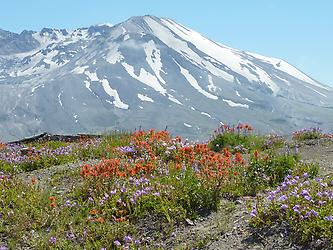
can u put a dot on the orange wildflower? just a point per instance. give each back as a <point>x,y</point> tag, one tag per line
<point>121,219</point>
<point>93,212</point>
<point>52,198</point>
<point>239,158</point>
<point>33,180</point>
<point>120,212</point>
<point>256,154</point>
<point>100,220</point>
<point>226,153</point>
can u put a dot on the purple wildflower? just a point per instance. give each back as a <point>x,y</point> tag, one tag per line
<point>296,209</point>
<point>52,240</point>
<point>70,236</point>
<point>67,203</point>
<point>307,197</point>
<point>128,239</point>
<point>270,197</point>
<point>305,192</point>
<point>283,198</point>
<point>328,218</point>
<point>126,149</point>
<point>284,206</point>
<point>117,243</point>
<point>254,211</point>
<point>321,202</point>
<point>314,213</point>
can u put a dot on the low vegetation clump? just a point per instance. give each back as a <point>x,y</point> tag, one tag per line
<point>241,138</point>
<point>143,186</point>
<point>273,141</point>
<point>266,170</point>
<point>28,157</point>
<point>236,138</point>
<point>310,134</point>
<point>303,204</point>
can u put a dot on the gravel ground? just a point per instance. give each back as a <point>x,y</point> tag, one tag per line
<point>241,236</point>
<point>319,151</point>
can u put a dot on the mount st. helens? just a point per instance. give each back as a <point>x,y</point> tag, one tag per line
<point>149,72</point>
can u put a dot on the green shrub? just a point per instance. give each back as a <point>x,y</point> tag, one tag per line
<point>236,142</point>
<point>307,134</point>
<point>265,171</point>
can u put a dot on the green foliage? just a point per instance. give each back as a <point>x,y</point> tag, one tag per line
<point>193,195</point>
<point>302,204</point>
<point>269,170</point>
<point>308,134</point>
<point>266,171</point>
<point>236,142</point>
<point>173,182</point>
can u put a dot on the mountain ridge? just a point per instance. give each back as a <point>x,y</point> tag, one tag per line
<point>107,77</point>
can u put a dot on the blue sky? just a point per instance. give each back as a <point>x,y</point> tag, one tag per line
<point>299,31</point>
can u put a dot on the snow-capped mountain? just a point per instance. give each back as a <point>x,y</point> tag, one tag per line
<point>148,72</point>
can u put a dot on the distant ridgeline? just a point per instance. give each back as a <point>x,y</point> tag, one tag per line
<point>44,137</point>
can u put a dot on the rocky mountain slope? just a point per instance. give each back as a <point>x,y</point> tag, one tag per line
<point>149,72</point>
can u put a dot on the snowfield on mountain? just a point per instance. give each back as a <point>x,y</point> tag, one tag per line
<point>148,72</point>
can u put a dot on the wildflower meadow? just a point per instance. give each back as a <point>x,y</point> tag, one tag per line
<point>142,185</point>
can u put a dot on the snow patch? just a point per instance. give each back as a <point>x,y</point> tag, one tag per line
<point>206,114</point>
<point>234,104</point>
<point>114,54</point>
<point>194,83</point>
<point>222,54</point>
<point>187,125</point>
<point>92,76</point>
<point>75,116</point>
<point>316,91</point>
<point>80,69</point>
<point>287,68</point>
<point>126,37</point>
<point>145,98</point>
<point>153,57</point>
<point>173,99</point>
<point>59,99</point>
<point>283,80</point>
<point>247,99</point>
<point>113,93</point>
<point>37,87</point>
<point>211,87</point>
<point>145,77</point>
<point>166,35</point>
